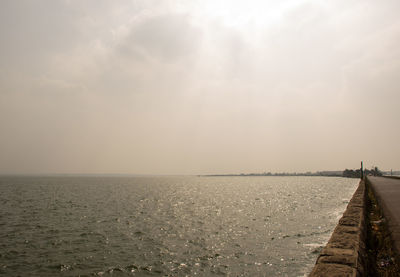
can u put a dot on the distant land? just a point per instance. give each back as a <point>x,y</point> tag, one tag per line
<point>349,173</point>
<point>319,173</point>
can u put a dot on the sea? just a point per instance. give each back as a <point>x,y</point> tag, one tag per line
<point>167,225</point>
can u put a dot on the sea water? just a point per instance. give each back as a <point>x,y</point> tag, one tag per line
<point>167,226</point>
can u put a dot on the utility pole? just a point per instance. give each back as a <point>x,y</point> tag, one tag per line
<point>362,171</point>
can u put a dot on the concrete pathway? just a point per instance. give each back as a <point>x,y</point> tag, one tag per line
<point>387,192</point>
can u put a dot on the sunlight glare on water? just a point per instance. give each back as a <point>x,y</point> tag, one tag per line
<point>171,226</point>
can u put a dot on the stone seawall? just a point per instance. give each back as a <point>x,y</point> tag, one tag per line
<point>345,253</point>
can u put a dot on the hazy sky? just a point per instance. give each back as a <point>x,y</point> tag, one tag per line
<point>193,87</point>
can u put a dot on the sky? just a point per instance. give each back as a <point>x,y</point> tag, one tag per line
<point>199,86</point>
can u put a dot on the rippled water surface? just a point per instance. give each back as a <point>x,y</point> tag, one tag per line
<point>167,226</point>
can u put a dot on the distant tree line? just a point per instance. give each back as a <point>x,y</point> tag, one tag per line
<point>350,173</point>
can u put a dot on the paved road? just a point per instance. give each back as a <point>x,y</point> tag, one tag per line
<point>387,192</point>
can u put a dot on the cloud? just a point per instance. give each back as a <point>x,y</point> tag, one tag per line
<point>167,37</point>
<point>31,30</point>
<point>189,87</point>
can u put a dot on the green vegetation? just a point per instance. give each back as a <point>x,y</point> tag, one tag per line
<point>350,173</point>
<point>319,173</point>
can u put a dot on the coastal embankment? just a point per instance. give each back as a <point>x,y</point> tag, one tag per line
<point>362,243</point>
<point>345,253</point>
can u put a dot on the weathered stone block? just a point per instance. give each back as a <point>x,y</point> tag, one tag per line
<point>333,270</point>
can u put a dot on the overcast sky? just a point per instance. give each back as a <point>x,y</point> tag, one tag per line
<point>195,87</point>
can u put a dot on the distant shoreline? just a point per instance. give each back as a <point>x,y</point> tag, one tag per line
<point>321,174</point>
<point>347,173</point>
